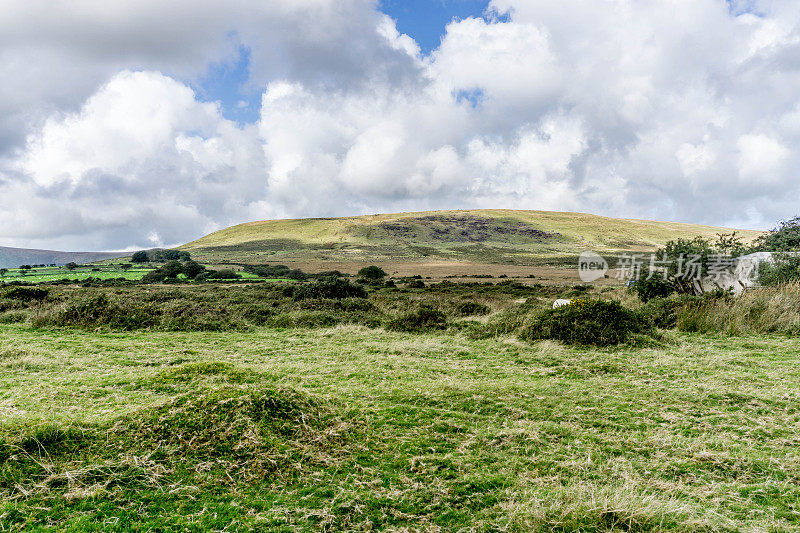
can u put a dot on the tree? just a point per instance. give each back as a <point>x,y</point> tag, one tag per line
<point>140,257</point>
<point>372,273</point>
<point>681,252</point>
<point>24,267</point>
<point>71,266</point>
<point>784,238</point>
<point>126,266</point>
<point>192,268</point>
<point>172,269</point>
<point>3,272</point>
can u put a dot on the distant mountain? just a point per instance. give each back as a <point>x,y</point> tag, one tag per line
<point>14,257</point>
<point>480,236</point>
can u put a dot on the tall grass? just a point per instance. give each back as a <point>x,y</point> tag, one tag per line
<point>758,311</point>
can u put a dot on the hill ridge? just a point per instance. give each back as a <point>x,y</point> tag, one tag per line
<point>506,236</point>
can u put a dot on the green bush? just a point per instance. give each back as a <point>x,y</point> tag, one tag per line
<point>472,308</point>
<point>26,294</point>
<point>328,288</point>
<point>422,319</point>
<point>785,269</point>
<point>647,289</point>
<point>223,274</point>
<point>372,272</point>
<point>663,312</point>
<point>586,322</point>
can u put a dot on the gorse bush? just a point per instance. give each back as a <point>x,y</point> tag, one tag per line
<point>420,320</point>
<point>586,322</point>
<point>25,294</point>
<point>472,308</point>
<point>655,287</point>
<point>328,288</point>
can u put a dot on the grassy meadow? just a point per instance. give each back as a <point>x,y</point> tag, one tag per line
<point>107,270</point>
<point>287,413</point>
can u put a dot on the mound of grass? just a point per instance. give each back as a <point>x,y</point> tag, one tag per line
<point>228,434</point>
<point>240,433</point>
<point>586,322</point>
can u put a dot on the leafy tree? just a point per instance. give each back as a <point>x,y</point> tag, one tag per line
<point>71,266</point>
<point>3,272</point>
<point>140,257</point>
<point>192,268</point>
<point>784,238</point>
<point>731,244</point>
<point>184,256</point>
<point>126,266</point>
<point>372,272</point>
<point>689,259</point>
<point>24,267</point>
<point>172,269</point>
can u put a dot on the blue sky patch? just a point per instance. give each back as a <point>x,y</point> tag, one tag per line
<point>425,20</point>
<point>226,82</point>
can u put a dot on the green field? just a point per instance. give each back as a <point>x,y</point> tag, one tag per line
<point>289,415</point>
<point>418,432</point>
<point>482,236</point>
<point>97,271</point>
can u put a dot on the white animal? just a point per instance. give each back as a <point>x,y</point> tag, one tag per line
<point>560,303</point>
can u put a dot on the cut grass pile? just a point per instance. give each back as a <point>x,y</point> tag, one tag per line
<point>351,428</point>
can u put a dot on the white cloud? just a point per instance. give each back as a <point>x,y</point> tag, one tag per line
<point>686,109</point>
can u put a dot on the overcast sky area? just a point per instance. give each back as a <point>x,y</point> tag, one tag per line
<point>141,123</point>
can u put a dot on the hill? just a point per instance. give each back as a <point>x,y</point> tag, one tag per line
<point>479,236</point>
<point>14,257</point>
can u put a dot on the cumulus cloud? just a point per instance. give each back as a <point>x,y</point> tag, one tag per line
<point>682,110</point>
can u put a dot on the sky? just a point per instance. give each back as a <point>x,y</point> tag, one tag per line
<point>141,123</point>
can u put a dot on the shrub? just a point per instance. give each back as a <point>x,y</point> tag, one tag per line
<point>223,274</point>
<point>663,312</point>
<point>372,272</point>
<point>191,269</point>
<point>472,308</point>
<point>785,269</point>
<point>647,289</point>
<point>328,288</point>
<point>423,319</point>
<point>416,284</point>
<point>26,294</point>
<point>784,238</point>
<point>71,266</point>
<point>586,322</point>
<point>155,276</point>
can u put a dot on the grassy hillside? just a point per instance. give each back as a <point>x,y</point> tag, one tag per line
<point>483,236</point>
<point>14,257</point>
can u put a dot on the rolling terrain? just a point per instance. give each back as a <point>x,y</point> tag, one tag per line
<point>14,257</point>
<point>504,237</point>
